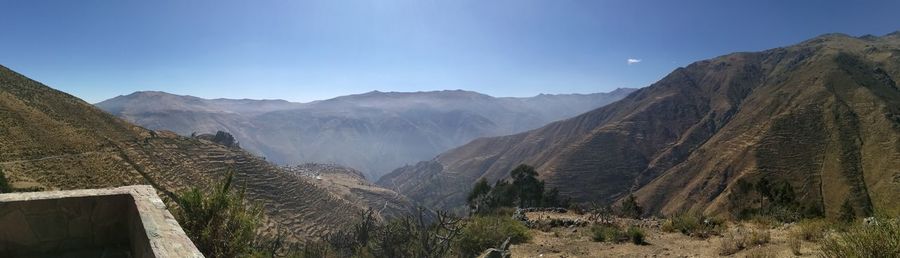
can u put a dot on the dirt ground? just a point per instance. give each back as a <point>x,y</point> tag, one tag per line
<point>576,242</point>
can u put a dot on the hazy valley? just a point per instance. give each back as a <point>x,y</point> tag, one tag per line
<point>374,132</point>
<point>51,140</point>
<point>701,129</point>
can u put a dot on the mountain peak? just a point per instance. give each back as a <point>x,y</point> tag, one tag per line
<point>895,34</point>
<point>150,92</point>
<point>683,143</point>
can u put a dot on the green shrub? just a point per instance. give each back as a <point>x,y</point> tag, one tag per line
<point>848,214</point>
<point>694,225</point>
<point>226,139</point>
<point>636,235</point>
<point>686,223</point>
<point>486,231</point>
<point>220,224</point>
<point>879,240</point>
<point>479,190</point>
<point>422,234</point>
<point>4,185</point>
<point>630,208</point>
<point>776,199</point>
<point>523,189</point>
<point>607,233</point>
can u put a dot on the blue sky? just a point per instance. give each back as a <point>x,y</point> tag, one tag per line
<point>308,50</point>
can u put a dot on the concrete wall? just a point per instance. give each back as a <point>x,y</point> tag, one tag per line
<point>116,222</point>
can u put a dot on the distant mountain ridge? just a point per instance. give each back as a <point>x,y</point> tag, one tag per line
<point>822,116</point>
<point>51,140</point>
<point>373,132</point>
<point>158,101</point>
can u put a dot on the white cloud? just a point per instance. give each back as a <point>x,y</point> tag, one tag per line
<point>633,61</point>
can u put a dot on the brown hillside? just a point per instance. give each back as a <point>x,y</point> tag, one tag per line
<point>823,116</point>
<point>52,140</point>
<point>374,132</point>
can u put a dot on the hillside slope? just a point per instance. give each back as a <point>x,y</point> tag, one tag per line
<point>822,115</point>
<point>52,140</point>
<point>373,132</point>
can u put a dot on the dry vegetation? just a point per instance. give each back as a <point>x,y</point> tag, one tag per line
<point>750,238</point>
<point>743,239</point>
<point>879,238</point>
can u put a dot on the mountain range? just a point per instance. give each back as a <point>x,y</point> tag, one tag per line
<point>51,140</point>
<point>374,132</point>
<point>821,117</point>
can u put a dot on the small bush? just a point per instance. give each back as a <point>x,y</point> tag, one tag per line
<point>630,208</point>
<point>483,232</point>
<point>226,139</point>
<point>730,245</point>
<point>416,235</point>
<point>4,185</point>
<point>694,225</point>
<point>421,234</point>
<point>668,226</point>
<point>636,235</point>
<point>612,233</point>
<point>812,230</point>
<point>878,240</point>
<point>607,233</point>
<point>758,237</point>
<point>742,238</point>
<point>220,223</point>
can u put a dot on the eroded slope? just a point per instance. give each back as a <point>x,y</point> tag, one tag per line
<point>823,115</point>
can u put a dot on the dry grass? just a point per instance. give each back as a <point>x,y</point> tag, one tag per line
<point>742,238</point>
<point>577,242</point>
<point>761,253</point>
<point>812,230</point>
<point>796,245</point>
<point>879,240</point>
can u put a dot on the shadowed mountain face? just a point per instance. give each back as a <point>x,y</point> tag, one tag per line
<point>374,132</point>
<point>52,140</point>
<point>823,116</point>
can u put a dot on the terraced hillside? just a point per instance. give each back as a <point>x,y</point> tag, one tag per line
<point>351,185</point>
<point>51,140</point>
<point>822,116</point>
